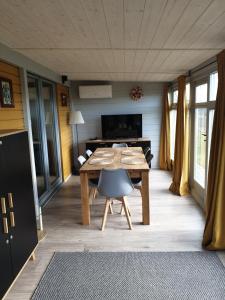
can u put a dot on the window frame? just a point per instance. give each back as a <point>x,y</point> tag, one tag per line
<point>197,190</point>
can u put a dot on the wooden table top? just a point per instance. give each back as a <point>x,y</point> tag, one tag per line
<point>118,155</point>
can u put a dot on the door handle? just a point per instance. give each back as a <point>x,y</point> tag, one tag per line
<point>10,198</point>
<point>12,219</point>
<point>5,225</point>
<point>3,205</point>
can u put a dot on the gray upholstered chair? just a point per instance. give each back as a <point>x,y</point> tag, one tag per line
<point>120,145</point>
<point>93,183</point>
<point>115,183</point>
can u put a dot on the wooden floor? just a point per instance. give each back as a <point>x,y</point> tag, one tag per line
<point>176,225</point>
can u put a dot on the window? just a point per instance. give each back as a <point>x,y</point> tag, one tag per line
<point>200,145</point>
<point>211,117</point>
<point>188,92</point>
<point>175,96</point>
<point>213,85</point>
<point>201,93</point>
<point>169,98</point>
<point>173,119</point>
<point>204,103</point>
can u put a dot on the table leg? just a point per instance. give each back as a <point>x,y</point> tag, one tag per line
<point>145,198</point>
<point>85,198</point>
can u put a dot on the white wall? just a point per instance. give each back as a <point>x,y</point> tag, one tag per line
<point>149,106</point>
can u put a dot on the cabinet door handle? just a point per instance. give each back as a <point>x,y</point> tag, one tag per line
<point>3,205</point>
<point>10,197</point>
<point>12,219</point>
<point>5,225</point>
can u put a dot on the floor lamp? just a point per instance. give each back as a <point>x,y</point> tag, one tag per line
<point>76,119</point>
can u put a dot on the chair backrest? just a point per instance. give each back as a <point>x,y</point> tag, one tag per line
<point>120,145</point>
<point>114,183</point>
<point>149,157</point>
<point>89,152</point>
<point>81,160</point>
<point>146,150</point>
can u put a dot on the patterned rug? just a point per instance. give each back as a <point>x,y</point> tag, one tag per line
<point>133,276</point>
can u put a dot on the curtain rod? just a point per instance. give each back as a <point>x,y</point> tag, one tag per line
<point>203,67</point>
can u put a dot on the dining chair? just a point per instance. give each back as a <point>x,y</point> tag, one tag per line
<point>93,183</point>
<point>120,145</point>
<point>81,159</point>
<point>115,183</point>
<point>149,156</point>
<point>89,153</point>
<point>146,150</point>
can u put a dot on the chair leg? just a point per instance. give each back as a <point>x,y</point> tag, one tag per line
<point>91,193</point>
<point>95,193</point>
<point>127,213</point>
<point>110,208</point>
<point>121,210</point>
<point>128,208</point>
<point>107,204</point>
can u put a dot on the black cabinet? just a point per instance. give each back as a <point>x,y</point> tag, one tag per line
<point>18,233</point>
<point>93,145</point>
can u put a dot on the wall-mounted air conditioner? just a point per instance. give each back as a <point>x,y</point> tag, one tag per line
<point>95,91</point>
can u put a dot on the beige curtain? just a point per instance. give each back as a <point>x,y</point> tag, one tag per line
<point>179,185</point>
<point>164,154</point>
<point>214,234</point>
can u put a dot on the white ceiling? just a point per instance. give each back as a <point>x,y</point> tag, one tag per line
<point>116,40</point>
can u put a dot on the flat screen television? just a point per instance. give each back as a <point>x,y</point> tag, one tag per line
<point>121,126</point>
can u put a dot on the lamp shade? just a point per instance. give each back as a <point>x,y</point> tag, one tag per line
<point>76,118</point>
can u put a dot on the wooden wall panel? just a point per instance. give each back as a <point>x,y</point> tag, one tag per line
<point>65,132</point>
<point>12,118</point>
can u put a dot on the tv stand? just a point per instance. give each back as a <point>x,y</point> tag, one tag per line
<point>131,142</point>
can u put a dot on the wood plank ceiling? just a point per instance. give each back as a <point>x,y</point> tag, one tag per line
<point>115,40</point>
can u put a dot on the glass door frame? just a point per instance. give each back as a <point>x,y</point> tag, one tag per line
<point>50,188</point>
<point>197,190</point>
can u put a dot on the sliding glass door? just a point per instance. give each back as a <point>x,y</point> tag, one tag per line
<point>45,135</point>
<point>37,135</point>
<point>203,113</point>
<point>48,107</point>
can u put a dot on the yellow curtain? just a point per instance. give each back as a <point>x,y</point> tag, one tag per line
<point>179,185</point>
<point>164,155</point>
<point>214,234</point>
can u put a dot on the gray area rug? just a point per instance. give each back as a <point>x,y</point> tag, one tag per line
<point>133,275</point>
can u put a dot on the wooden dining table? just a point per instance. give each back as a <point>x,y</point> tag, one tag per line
<point>90,171</point>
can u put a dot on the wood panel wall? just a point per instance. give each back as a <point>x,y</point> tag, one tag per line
<point>65,132</point>
<point>12,118</point>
